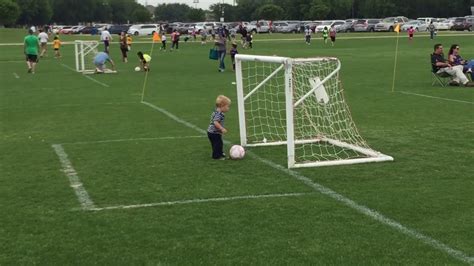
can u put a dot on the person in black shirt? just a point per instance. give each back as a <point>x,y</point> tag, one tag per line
<point>441,65</point>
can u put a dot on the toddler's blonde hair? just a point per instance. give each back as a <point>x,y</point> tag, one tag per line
<point>222,101</point>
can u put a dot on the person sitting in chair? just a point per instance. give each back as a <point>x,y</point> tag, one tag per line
<point>441,65</point>
<point>455,59</point>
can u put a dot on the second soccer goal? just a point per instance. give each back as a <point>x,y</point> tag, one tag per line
<point>299,103</point>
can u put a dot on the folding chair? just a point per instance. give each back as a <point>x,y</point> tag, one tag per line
<point>442,79</point>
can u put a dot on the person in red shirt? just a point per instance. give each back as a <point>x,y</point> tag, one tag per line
<point>411,31</point>
<point>175,40</point>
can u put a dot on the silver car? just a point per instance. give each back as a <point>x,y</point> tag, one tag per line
<point>388,24</point>
<point>416,24</point>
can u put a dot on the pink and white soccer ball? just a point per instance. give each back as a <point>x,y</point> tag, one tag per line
<point>237,152</point>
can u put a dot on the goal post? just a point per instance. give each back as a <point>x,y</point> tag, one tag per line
<point>85,52</point>
<point>298,102</point>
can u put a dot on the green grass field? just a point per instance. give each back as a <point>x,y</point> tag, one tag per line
<point>185,209</point>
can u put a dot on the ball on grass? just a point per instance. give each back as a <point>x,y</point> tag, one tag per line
<point>237,152</point>
<point>137,69</point>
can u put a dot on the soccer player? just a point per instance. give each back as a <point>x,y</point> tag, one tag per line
<point>144,61</point>
<point>216,127</point>
<point>31,48</point>
<point>332,35</point>
<point>100,60</point>
<point>56,46</point>
<point>163,41</point>
<point>411,31</point>
<point>43,38</point>
<point>233,52</point>
<point>129,42</point>
<point>307,35</point>
<point>325,34</point>
<point>124,46</point>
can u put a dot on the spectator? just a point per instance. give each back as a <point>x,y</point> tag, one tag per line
<point>175,40</point>
<point>440,65</point>
<point>43,38</point>
<point>432,30</point>
<point>307,35</point>
<point>31,48</point>
<point>106,38</point>
<point>455,59</point>
<point>221,47</point>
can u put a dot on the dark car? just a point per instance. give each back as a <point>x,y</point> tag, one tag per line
<point>117,29</point>
<point>89,30</point>
<point>463,24</point>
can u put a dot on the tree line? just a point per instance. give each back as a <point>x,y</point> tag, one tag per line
<point>38,12</point>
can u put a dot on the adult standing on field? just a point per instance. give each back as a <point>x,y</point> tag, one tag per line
<point>106,38</point>
<point>43,38</point>
<point>221,47</point>
<point>432,30</point>
<point>31,48</point>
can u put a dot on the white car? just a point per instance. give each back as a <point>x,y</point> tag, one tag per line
<point>418,25</point>
<point>143,29</point>
<point>329,24</point>
<point>444,24</point>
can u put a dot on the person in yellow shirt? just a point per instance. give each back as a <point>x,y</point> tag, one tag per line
<point>144,61</point>
<point>56,45</point>
<point>129,42</point>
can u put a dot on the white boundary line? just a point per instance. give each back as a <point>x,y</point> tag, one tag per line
<point>74,180</point>
<point>180,202</point>
<point>434,97</point>
<point>133,139</point>
<point>66,105</point>
<point>457,254</point>
<point>86,76</point>
<point>16,75</point>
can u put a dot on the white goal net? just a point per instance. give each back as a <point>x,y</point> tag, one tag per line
<point>299,103</point>
<point>85,51</point>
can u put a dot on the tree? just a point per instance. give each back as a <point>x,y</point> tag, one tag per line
<point>34,12</point>
<point>9,12</point>
<point>140,14</point>
<point>270,11</point>
<point>196,14</point>
<point>172,12</point>
<point>317,10</point>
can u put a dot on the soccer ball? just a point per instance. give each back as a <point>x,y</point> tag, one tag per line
<point>137,69</point>
<point>237,152</point>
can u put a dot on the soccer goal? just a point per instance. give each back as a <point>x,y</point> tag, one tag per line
<point>85,52</point>
<point>299,103</point>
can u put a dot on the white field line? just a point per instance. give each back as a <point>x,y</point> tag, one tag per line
<point>344,200</point>
<point>16,75</point>
<point>74,180</point>
<point>128,140</point>
<point>434,97</point>
<point>180,202</point>
<point>86,76</point>
<point>286,39</point>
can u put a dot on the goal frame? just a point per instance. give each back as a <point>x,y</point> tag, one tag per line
<point>81,49</point>
<point>287,67</point>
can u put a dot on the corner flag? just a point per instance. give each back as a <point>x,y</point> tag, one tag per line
<point>156,37</point>
<point>397,28</point>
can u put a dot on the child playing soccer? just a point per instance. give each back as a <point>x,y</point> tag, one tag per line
<point>325,35</point>
<point>144,61</point>
<point>216,127</point>
<point>332,35</point>
<point>163,42</point>
<point>233,52</point>
<point>411,31</point>
<point>56,45</point>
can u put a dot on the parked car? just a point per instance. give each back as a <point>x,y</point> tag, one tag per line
<point>418,25</point>
<point>261,26</point>
<point>328,24</point>
<point>143,29</point>
<point>463,24</point>
<point>66,30</point>
<point>312,25</point>
<point>426,20</point>
<point>89,30</point>
<point>117,29</point>
<point>388,24</point>
<point>348,26</point>
<point>366,24</point>
<point>284,27</point>
<point>443,24</point>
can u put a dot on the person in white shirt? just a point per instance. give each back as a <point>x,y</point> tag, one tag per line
<point>307,35</point>
<point>106,38</point>
<point>43,38</point>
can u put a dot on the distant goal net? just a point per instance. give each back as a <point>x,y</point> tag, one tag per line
<point>299,103</point>
<point>85,51</point>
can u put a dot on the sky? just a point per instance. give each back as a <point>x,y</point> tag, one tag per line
<point>204,4</point>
